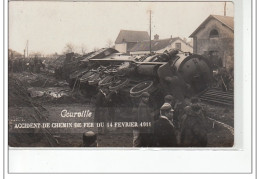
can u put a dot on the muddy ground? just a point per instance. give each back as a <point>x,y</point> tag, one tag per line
<point>48,97</point>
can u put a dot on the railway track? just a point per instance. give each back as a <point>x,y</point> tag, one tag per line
<point>216,96</point>
<point>230,128</point>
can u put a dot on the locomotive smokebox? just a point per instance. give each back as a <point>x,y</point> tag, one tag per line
<point>195,71</point>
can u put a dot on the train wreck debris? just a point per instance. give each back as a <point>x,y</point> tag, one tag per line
<point>111,85</point>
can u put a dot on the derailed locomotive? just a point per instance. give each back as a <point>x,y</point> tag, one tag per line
<point>130,76</point>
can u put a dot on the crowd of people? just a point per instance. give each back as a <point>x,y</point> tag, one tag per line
<point>21,64</point>
<point>180,124</point>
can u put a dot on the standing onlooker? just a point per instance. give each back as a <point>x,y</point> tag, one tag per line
<point>101,110</point>
<point>164,130</point>
<point>142,137</point>
<point>194,126</point>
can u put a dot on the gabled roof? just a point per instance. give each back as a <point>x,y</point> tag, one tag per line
<point>131,36</point>
<point>226,20</point>
<point>155,44</point>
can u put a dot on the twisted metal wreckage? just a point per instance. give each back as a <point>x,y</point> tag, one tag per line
<point>130,76</point>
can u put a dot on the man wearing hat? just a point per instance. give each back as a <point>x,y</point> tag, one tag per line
<point>142,136</point>
<point>168,99</point>
<point>177,106</point>
<point>194,125</point>
<point>164,130</point>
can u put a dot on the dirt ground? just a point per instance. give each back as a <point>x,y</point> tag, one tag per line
<point>55,96</point>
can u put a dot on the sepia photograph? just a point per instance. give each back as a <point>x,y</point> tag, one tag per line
<point>121,74</point>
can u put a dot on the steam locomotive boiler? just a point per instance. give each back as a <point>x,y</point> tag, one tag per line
<point>194,69</point>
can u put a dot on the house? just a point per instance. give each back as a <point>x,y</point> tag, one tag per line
<point>126,39</point>
<point>215,38</point>
<point>160,46</point>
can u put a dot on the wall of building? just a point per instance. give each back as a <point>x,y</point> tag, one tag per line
<point>121,47</point>
<point>223,45</point>
<point>184,47</point>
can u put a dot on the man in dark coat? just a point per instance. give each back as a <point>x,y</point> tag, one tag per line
<point>142,137</point>
<point>194,126</point>
<point>144,111</point>
<point>164,130</point>
<point>101,110</point>
<point>177,106</point>
<point>111,100</point>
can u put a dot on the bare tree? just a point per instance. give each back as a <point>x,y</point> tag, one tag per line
<point>109,43</point>
<point>95,49</point>
<point>83,49</point>
<point>69,48</point>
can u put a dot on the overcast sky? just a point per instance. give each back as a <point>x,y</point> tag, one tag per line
<point>49,26</point>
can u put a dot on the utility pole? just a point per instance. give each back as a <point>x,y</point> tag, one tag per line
<point>25,51</point>
<point>27,48</point>
<point>150,11</point>
<point>225,5</point>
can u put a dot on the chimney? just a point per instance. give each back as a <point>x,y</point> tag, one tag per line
<point>156,37</point>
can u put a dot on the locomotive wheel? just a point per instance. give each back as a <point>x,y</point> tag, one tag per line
<point>138,89</point>
<point>106,81</point>
<point>117,84</point>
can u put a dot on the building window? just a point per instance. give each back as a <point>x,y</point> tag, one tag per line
<point>213,53</point>
<point>213,33</point>
<point>178,46</point>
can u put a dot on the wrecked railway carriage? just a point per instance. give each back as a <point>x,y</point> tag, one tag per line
<point>129,76</point>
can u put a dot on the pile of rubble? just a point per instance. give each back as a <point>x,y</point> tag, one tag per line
<point>38,79</point>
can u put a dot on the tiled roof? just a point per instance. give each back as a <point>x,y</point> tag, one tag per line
<point>155,44</point>
<point>226,20</point>
<point>131,36</point>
